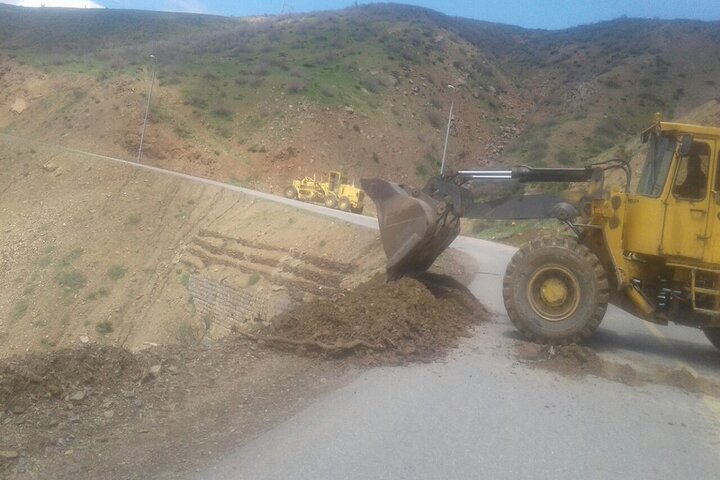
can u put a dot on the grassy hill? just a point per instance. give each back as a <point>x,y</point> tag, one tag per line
<point>260,100</point>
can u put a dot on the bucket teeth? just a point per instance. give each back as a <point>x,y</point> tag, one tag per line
<point>414,227</point>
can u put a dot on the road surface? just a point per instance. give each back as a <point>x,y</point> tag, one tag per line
<point>481,414</point>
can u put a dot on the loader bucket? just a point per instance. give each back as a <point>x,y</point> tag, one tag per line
<point>414,227</point>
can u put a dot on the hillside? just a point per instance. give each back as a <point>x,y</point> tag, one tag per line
<point>258,101</point>
<point>124,257</point>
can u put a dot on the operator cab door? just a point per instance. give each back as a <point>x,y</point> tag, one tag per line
<point>685,226</point>
<point>712,250</point>
<point>334,181</point>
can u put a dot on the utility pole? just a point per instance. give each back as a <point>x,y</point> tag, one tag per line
<point>447,133</point>
<point>147,108</point>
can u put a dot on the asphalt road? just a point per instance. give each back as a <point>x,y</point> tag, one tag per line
<point>482,414</point>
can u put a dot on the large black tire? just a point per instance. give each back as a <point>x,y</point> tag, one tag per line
<point>331,200</point>
<point>555,291</point>
<point>291,192</point>
<point>713,334</point>
<point>345,204</point>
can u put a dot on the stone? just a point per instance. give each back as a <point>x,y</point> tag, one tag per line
<point>19,106</point>
<point>17,409</point>
<point>9,454</point>
<point>77,396</point>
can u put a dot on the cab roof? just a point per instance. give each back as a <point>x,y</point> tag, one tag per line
<point>674,128</point>
<point>679,128</point>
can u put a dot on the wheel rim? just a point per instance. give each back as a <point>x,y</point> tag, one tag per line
<point>553,293</point>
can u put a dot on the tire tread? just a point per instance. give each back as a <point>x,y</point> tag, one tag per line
<point>602,283</point>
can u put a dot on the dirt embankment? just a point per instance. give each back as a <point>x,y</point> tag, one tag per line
<point>576,360</point>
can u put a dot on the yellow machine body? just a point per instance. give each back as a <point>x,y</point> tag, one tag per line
<point>334,193</point>
<point>664,238</point>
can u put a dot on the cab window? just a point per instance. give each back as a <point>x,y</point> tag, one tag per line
<point>717,180</point>
<point>661,150</point>
<point>692,174</point>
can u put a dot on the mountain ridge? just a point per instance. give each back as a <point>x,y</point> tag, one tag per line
<point>261,100</point>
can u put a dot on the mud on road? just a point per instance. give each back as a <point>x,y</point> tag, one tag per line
<point>579,361</point>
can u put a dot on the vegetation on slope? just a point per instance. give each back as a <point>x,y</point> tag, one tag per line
<point>362,89</point>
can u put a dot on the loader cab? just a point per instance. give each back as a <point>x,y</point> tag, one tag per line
<point>334,181</point>
<point>674,212</point>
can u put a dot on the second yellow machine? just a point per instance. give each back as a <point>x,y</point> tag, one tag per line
<point>335,193</point>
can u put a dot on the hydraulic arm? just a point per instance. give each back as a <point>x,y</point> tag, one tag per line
<point>416,226</point>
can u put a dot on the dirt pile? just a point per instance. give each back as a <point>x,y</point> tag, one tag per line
<point>384,322</point>
<point>101,412</point>
<point>577,360</point>
<point>65,373</point>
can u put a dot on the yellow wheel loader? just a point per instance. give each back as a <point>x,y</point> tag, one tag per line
<point>653,251</point>
<point>335,193</point>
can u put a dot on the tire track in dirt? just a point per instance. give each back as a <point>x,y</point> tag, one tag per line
<point>161,280</point>
<point>134,299</point>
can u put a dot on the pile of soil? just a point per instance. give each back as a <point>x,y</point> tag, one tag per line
<point>93,411</point>
<point>68,374</point>
<point>409,319</point>
<point>577,360</point>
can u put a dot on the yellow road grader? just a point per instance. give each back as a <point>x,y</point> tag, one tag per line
<point>653,251</point>
<point>335,193</point>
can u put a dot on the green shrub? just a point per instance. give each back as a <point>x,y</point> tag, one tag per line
<point>222,112</point>
<point>133,219</point>
<point>258,148</point>
<point>103,328</point>
<point>19,310</point>
<point>72,256</point>
<point>116,272</point>
<point>435,119</point>
<point>564,157</point>
<point>70,280</point>
<point>100,292</point>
